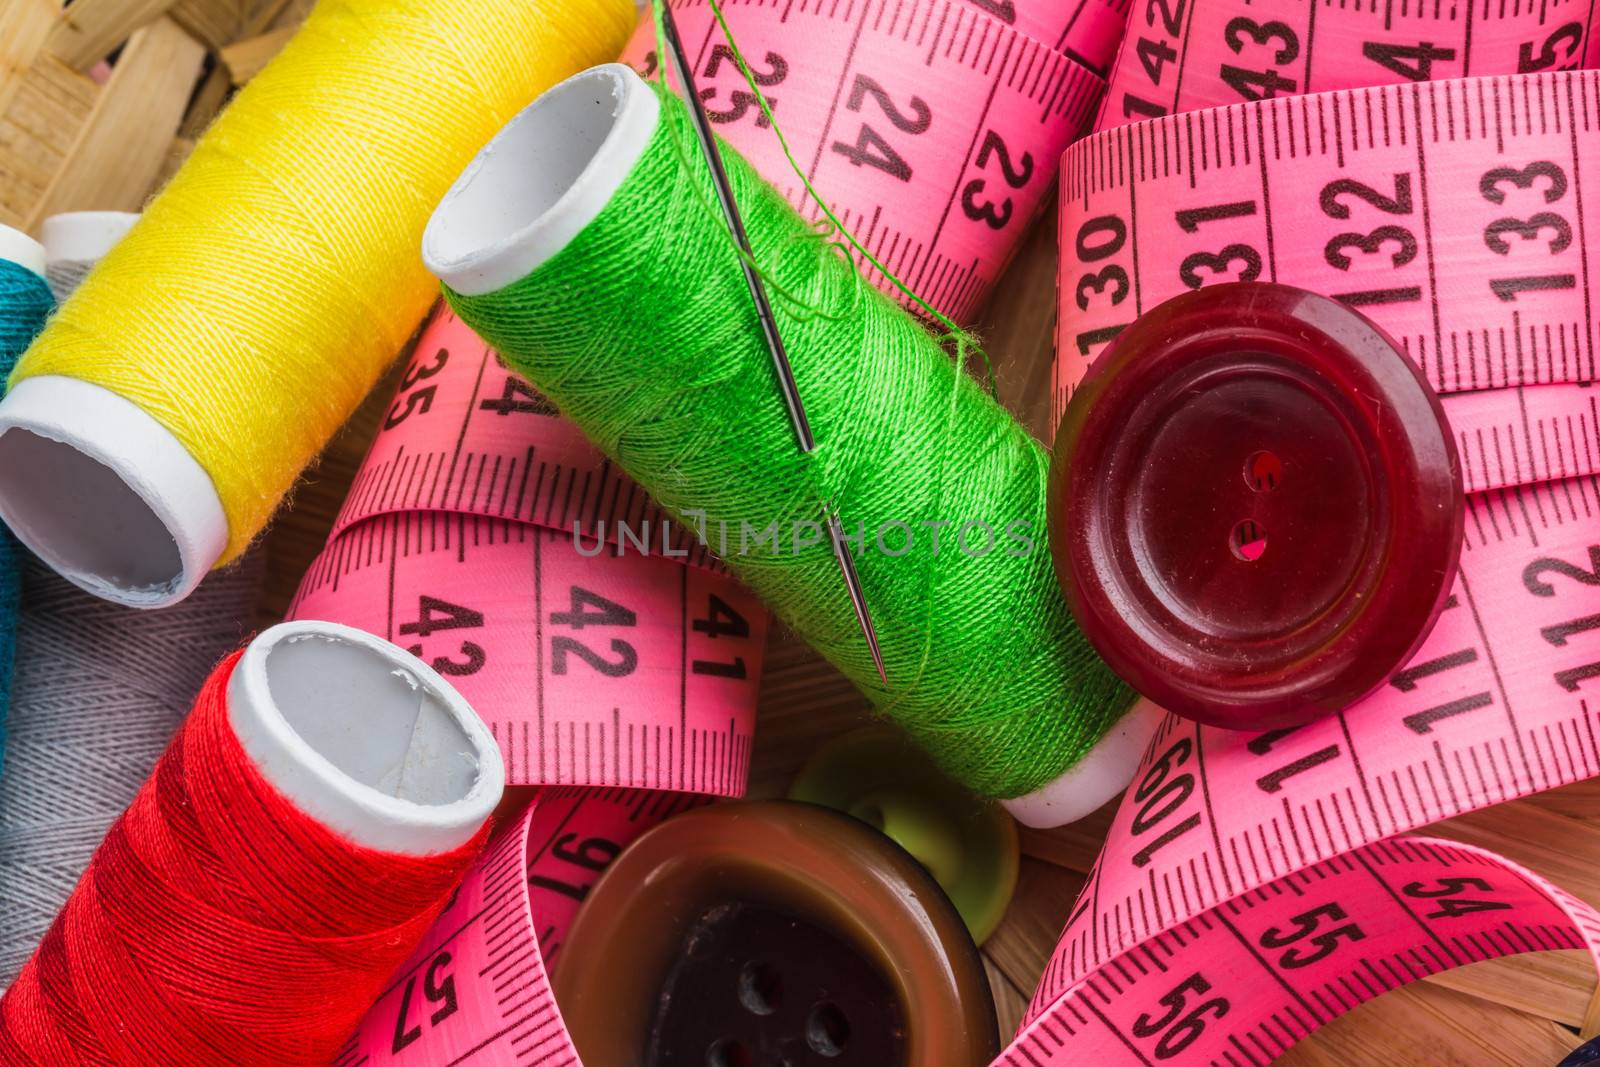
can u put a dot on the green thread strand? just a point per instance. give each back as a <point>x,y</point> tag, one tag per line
<point>642,331</point>
<point>965,343</point>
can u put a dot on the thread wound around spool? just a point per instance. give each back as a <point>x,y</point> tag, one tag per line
<point>541,180</point>
<point>142,536</point>
<point>72,490</point>
<point>254,379</point>
<point>365,738</point>
<point>536,139</point>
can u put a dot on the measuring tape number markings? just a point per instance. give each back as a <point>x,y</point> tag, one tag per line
<point>1184,55</point>
<point>1451,213</point>
<point>1242,982</point>
<point>930,127</point>
<point>476,991</point>
<point>464,434</point>
<point>592,661</point>
<point>1088,31</point>
<point>1212,930</point>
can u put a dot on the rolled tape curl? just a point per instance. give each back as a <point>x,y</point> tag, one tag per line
<point>509,920</point>
<point>626,662</point>
<point>1088,31</point>
<point>687,407</point>
<point>299,836</point>
<point>214,352</point>
<point>458,543</point>
<point>1219,827</point>
<point>97,694</point>
<point>513,910</point>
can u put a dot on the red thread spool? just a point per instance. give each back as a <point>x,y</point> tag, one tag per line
<point>220,922</point>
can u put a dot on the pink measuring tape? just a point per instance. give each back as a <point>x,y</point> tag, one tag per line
<point>485,443</point>
<point>1493,707</point>
<point>1183,55</point>
<point>931,127</point>
<point>1450,213</point>
<point>477,991</point>
<point>1246,894</point>
<point>1243,982</point>
<point>482,535</point>
<point>591,662</point>
<point>1087,31</point>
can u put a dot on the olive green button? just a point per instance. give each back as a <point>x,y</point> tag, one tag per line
<point>968,845</point>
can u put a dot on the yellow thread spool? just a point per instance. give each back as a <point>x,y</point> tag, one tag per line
<point>154,426</point>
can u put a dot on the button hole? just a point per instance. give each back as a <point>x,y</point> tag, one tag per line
<point>827,1030</point>
<point>1263,471</point>
<point>729,1052</point>
<point>1247,541</point>
<point>760,988</point>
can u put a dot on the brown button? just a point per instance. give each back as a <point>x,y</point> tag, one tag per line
<point>772,934</point>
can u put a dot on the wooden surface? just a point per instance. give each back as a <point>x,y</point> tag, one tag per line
<point>55,119</point>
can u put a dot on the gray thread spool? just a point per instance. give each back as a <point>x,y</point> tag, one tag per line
<point>98,692</point>
<point>75,241</point>
<point>65,276</point>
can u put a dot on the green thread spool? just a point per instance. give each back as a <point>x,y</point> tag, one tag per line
<point>577,246</point>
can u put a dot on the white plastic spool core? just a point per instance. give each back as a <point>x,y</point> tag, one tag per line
<point>97,488</point>
<point>541,180</point>
<point>1102,774</point>
<point>365,738</point>
<point>17,247</point>
<point>83,236</point>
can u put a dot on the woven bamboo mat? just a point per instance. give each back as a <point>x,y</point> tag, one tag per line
<point>79,134</point>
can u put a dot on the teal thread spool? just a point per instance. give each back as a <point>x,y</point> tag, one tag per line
<point>25,303</point>
<point>577,246</point>
<point>25,299</point>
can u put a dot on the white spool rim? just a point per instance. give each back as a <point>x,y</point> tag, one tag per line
<point>17,247</point>
<point>105,494</point>
<point>83,236</point>
<point>376,727</point>
<point>1103,773</point>
<point>541,180</point>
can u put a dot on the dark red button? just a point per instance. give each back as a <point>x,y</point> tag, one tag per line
<point>771,934</point>
<point>1255,506</point>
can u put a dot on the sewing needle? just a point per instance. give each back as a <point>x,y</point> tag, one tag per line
<point>769,324</point>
